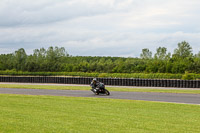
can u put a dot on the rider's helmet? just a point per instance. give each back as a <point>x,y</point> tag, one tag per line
<point>94,80</point>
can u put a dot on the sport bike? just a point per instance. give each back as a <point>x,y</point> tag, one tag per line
<point>100,89</point>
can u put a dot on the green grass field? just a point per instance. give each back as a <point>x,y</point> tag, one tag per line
<point>56,87</point>
<point>35,114</point>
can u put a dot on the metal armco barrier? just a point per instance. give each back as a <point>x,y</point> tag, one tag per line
<point>106,81</point>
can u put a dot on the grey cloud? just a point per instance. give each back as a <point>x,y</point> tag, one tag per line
<point>115,28</point>
<point>102,44</point>
<point>14,14</point>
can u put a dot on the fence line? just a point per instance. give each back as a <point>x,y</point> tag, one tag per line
<point>106,81</point>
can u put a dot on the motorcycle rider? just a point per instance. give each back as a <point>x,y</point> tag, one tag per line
<point>94,84</point>
<point>98,87</point>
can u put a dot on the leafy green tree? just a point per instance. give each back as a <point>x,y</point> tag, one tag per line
<point>161,53</point>
<point>108,66</point>
<point>20,59</point>
<point>182,58</point>
<point>31,65</point>
<point>7,61</point>
<point>198,55</point>
<point>196,68</point>
<point>146,54</point>
<point>55,59</point>
<point>184,50</point>
<point>39,60</point>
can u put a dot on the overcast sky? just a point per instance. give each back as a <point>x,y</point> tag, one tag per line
<point>99,27</point>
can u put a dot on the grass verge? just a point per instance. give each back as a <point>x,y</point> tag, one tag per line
<point>56,87</point>
<point>22,114</point>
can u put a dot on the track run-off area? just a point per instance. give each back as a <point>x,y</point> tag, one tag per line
<point>146,96</point>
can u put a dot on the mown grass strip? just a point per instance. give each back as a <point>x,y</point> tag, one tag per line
<point>57,87</point>
<point>38,114</point>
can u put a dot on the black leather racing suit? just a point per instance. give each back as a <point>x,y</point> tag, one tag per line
<point>94,85</point>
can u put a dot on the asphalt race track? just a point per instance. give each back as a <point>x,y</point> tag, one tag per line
<point>146,96</point>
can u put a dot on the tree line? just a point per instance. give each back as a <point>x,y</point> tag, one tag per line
<point>55,59</point>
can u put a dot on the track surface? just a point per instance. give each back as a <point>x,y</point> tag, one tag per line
<point>106,86</point>
<point>162,97</point>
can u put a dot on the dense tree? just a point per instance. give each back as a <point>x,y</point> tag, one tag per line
<point>161,53</point>
<point>6,61</point>
<point>146,54</point>
<point>198,55</point>
<point>57,59</point>
<point>20,59</point>
<point>182,59</point>
<point>197,63</point>
<point>184,50</point>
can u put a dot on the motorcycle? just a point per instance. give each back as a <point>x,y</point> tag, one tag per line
<point>100,89</point>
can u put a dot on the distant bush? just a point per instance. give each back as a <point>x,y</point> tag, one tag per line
<point>186,76</point>
<point>189,76</point>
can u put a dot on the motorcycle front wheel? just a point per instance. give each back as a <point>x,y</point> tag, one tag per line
<point>107,92</point>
